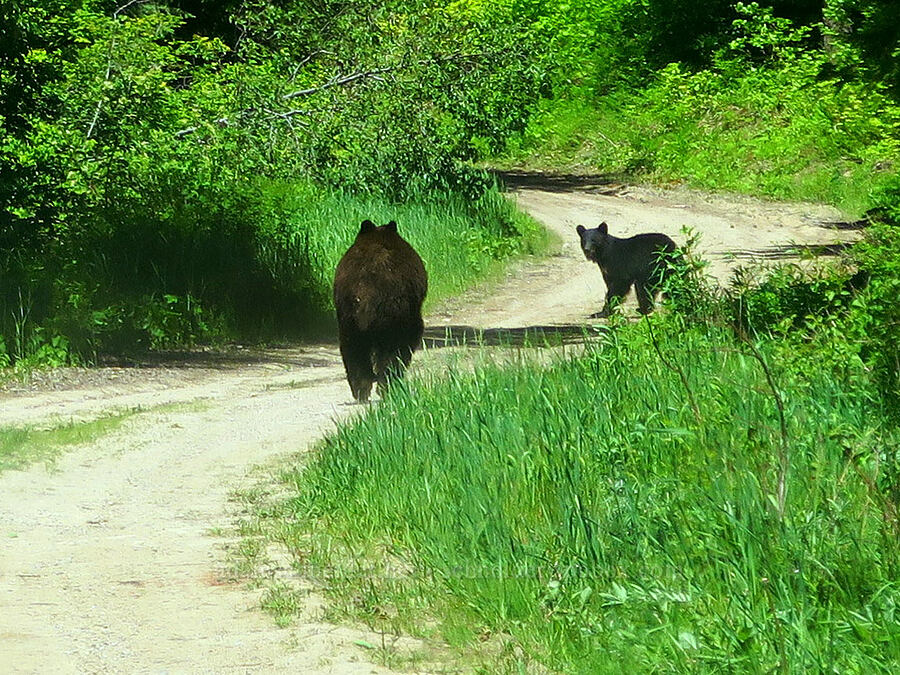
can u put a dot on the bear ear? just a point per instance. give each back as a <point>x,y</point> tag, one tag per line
<point>392,226</point>
<point>367,226</point>
<point>604,228</point>
<point>580,230</point>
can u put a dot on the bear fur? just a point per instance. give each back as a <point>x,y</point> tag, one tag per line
<point>379,287</point>
<point>640,260</point>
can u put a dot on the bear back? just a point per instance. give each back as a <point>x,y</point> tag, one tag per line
<point>380,282</point>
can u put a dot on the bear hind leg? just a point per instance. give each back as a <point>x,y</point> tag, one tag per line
<point>616,290</point>
<point>357,358</point>
<point>645,297</point>
<point>390,365</point>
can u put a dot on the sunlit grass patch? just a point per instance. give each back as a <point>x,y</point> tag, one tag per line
<point>775,132</point>
<point>613,511</point>
<point>22,446</point>
<point>461,241</point>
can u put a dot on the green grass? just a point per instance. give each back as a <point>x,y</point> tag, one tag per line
<point>591,516</point>
<point>25,445</point>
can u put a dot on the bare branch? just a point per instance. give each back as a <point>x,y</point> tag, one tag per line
<point>287,116</point>
<point>126,6</point>
<point>307,59</point>
<point>336,81</point>
<point>109,63</point>
<point>674,367</point>
<point>340,81</point>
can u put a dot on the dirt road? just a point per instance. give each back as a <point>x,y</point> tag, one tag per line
<point>109,562</point>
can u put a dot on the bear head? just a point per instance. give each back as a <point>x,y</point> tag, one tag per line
<point>593,241</point>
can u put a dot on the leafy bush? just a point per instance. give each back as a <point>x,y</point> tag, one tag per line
<point>789,297</point>
<point>876,315</point>
<point>886,202</point>
<point>688,290</point>
<point>840,318</point>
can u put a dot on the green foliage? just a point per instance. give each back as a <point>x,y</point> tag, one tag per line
<point>865,39</point>
<point>688,290</point>
<point>876,317</point>
<point>777,133</point>
<point>840,318</point>
<point>129,136</point>
<point>768,113</point>
<point>625,508</point>
<point>788,297</point>
<point>886,201</point>
<point>765,38</point>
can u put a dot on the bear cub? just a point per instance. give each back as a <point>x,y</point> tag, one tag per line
<point>379,287</point>
<point>640,260</point>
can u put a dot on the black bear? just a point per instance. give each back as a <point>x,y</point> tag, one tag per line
<point>379,286</point>
<point>638,260</point>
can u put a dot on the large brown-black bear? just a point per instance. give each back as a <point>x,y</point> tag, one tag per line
<point>379,286</point>
<point>641,260</point>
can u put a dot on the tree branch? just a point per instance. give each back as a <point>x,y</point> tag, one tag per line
<point>127,5</point>
<point>340,81</point>
<point>336,81</point>
<point>784,459</point>
<point>109,64</point>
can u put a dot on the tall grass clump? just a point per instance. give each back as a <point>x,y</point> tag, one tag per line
<point>460,239</point>
<point>703,507</point>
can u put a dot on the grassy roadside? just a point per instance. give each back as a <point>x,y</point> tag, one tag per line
<point>779,131</point>
<point>613,512</point>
